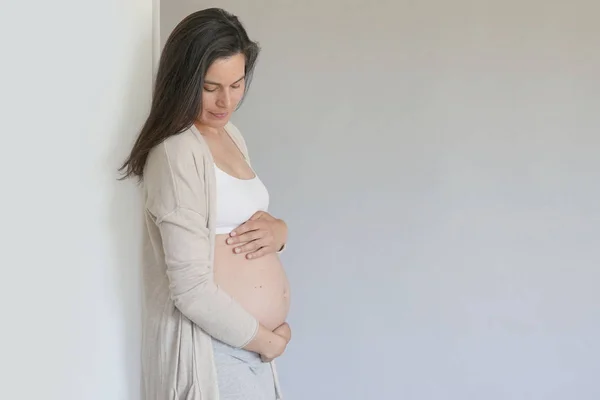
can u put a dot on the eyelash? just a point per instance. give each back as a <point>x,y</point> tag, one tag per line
<point>212,90</point>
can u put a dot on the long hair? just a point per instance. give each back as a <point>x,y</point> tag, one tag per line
<point>196,42</point>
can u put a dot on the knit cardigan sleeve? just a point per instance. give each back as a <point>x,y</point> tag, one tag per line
<point>176,198</point>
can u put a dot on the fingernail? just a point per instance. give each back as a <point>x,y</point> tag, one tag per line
<point>229,241</point>
<point>232,233</point>
<point>237,250</point>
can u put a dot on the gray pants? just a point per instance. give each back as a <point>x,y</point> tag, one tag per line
<point>242,375</point>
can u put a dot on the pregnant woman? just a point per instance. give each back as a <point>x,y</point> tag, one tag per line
<point>216,296</point>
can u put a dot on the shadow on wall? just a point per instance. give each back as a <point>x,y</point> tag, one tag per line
<point>126,221</point>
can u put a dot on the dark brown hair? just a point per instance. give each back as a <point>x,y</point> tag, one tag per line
<point>198,40</point>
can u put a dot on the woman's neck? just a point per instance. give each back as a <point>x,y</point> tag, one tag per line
<point>208,130</point>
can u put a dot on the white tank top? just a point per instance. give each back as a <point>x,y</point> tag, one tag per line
<point>237,200</point>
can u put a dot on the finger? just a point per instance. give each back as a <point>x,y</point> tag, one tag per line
<point>262,251</point>
<point>239,231</point>
<point>282,325</point>
<point>286,328</point>
<point>283,329</point>
<point>246,237</point>
<point>247,226</point>
<point>257,215</point>
<point>287,335</point>
<point>248,247</point>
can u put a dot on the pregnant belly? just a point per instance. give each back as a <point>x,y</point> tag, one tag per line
<point>259,285</point>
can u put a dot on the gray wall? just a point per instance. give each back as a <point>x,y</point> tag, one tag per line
<point>75,88</point>
<point>438,165</point>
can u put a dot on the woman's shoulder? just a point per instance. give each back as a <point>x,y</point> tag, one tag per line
<point>181,146</point>
<point>170,168</point>
<point>175,157</point>
<point>185,142</point>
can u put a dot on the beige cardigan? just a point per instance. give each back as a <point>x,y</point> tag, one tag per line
<point>183,307</point>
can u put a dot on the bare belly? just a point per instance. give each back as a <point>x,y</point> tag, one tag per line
<point>260,285</point>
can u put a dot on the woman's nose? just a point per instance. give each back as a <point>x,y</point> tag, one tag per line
<point>224,99</point>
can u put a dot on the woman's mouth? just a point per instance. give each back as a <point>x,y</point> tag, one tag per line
<point>218,115</point>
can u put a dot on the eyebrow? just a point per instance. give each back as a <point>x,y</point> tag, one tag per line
<point>218,84</point>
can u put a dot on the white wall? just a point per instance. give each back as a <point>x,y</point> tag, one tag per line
<point>75,87</point>
<point>438,165</point>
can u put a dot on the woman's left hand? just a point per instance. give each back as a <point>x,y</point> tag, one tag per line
<point>262,234</point>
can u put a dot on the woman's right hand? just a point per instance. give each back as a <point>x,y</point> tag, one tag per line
<point>276,349</point>
<point>285,333</point>
<point>269,345</point>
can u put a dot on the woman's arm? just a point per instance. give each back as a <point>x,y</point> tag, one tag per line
<point>177,202</point>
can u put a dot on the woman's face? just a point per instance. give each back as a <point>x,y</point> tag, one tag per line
<point>224,87</point>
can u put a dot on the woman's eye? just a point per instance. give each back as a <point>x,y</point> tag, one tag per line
<point>236,86</point>
<point>209,90</point>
